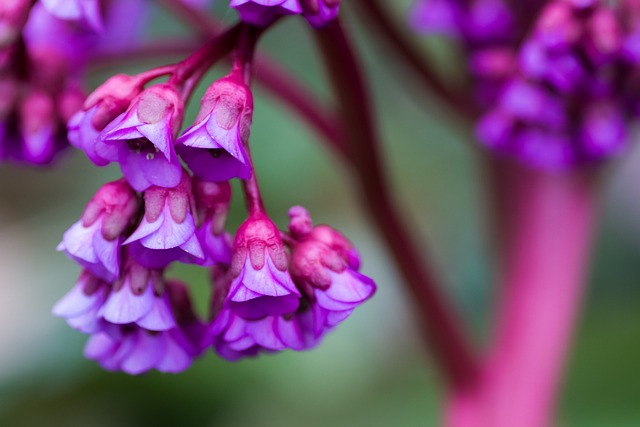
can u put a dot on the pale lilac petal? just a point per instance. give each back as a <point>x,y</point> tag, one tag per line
<point>160,317</point>
<point>264,334</point>
<point>175,359</point>
<point>148,351</point>
<point>350,287</point>
<point>100,346</point>
<point>77,302</point>
<point>124,306</point>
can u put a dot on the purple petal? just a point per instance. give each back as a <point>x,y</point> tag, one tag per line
<point>175,358</point>
<point>264,334</point>
<point>148,351</point>
<point>160,317</point>
<point>123,306</point>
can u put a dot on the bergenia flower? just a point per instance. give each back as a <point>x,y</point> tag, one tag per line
<point>141,139</point>
<point>94,241</point>
<point>213,148</point>
<point>235,337</point>
<point>101,107</point>
<point>83,11</point>
<point>261,284</point>
<point>137,324</point>
<point>324,264</point>
<point>80,306</point>
<point>167,231</point>
<point>263,12</point>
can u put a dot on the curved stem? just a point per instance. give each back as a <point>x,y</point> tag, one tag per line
<point>406,50</point>
<point>278,81</point>
<point>151,50</point>
<point>436,317</point>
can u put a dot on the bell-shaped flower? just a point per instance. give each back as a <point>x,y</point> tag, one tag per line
<point>167,231</point>
<point>261,284</point>
<point>213,147</point>
<point>141,139</point>
<point>101,107</point>
<point>324,264</point>
<point>94,241</point>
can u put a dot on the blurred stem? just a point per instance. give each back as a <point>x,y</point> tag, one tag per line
<point>436,316</point>
<point>151,50</point>
<point>457,100</point>
<point>278,81</point>
<point>545,222</point>
<point>242,69</point>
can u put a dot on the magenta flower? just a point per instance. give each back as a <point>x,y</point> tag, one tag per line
<point>80,306</point>
<point>139,323</point>
<point>167,231</point>
<point>320,12</point>
<point>324,264</point>
<point>141,139</point>
<point>263,12</point>
<point>94,241</point>
<point>235,337</point>
<point>261,284</point>
<point>84,11</point>
<point>213,147</point>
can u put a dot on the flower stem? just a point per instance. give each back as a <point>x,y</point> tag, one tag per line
<point>278,81</point>
<point>546,223</point>
<point>436,316</point>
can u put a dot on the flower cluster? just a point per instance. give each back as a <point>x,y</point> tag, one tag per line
<point>266,297</point>
<point>44,49</point>
<point>563,96</point>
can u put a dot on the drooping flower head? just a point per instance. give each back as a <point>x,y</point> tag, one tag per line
<point>141,139</point>
<point>264,12</point>
<point>261,284</point>
<point>138,323</point>
<point>167,231</point>
<point>94,241</point>
<point>101,107</point>
<point>324,264</point>
<point>214,147</point>
<point>234,337</point>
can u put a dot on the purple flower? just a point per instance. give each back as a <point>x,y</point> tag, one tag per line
<point>235,337</point>
<point>94,241</point>
<point>214,147</point>
<point>261,284</point>
<point>83,11</point>
<point>141,139</point>
<point>101,107</point>
<point>80,306</point>
<point>167,231</point>
<point>324,264</point>
<point>139,323</point>
<point>320,12</point>
<point>263,12</point>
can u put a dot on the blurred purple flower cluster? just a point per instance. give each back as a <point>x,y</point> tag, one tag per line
<point>556,93</point>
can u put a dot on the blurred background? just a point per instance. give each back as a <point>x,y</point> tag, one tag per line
<point>373,370</point>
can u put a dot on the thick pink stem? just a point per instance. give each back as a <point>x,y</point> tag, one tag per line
<point>546,223</point>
